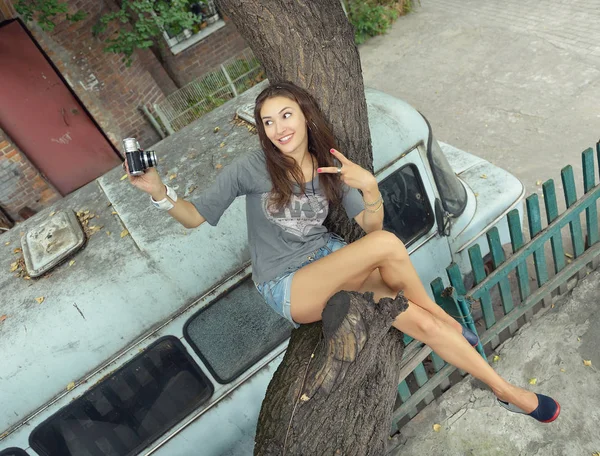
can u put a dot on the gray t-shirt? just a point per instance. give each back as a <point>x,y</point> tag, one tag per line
<point>278,239</point>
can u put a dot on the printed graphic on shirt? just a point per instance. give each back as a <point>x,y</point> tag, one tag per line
<point>301,214</point>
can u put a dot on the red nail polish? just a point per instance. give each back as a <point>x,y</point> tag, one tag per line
<point>332,150</point>
<point>318,170</point>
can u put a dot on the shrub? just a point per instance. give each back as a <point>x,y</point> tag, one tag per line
<point>374,17</point>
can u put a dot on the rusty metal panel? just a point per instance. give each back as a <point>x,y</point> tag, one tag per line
<point>43,117</point>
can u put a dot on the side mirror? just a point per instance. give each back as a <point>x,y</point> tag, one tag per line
<point>439,218</point>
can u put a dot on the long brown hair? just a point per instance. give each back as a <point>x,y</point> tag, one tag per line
<point>320,141</point>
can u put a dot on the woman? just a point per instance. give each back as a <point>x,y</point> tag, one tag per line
<point>297,264</point>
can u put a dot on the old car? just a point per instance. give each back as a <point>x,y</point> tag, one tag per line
<point>152,339</point>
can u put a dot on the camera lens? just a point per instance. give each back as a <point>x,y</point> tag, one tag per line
<point>149,159</point>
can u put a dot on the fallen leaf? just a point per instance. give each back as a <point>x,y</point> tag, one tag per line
<point>496,358</point>
<point>124,177</point>
<point>124,233</point>
<point>40,299</point>
<point>52,213</point>
<point>70,386</point>
<point>587,362</point>
<point>71,263</point>
<point>579,339</point>
<point>7,243</point>
<point>222,144</point>
<point>563,369</point>
<point>476,195</point>
<point>483,176</point>
<point>437,427</point>
<point>27,278</point>
<point>568,255</point>
<point>304,398</point>
<point>114,212</point>
<point>532,381</point>
<point>108,233</point>
<point>14,266</point>
<point>109,205</point>
<point>552,306</point>
<point>2,318</point>
<point>17,250</point>
<point>216,130</point>
<point>218,166</point>
<point>172,176</point>
<point>538,182</point>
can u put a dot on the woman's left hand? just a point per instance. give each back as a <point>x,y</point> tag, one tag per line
<point>352,175</point>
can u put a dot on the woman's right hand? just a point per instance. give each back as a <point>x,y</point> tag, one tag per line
<point>148,182</point>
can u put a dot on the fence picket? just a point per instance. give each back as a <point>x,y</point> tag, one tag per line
<point>598,155</point>
<point>497,252</point>
<point>479,274</point>
<point>589,180</point>
<point>535,226</point>
<point>516,239</point>
<point>422,378</point>
<point>571,198</point>
<point>558,252</point>
<point>438,364</point>
<point>404,393</point>
<point>456,280</point>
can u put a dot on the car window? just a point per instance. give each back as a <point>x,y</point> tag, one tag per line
<point>129,409</point>
<point>13,452</point>
<point>235,331</point>
<point>408,213</point>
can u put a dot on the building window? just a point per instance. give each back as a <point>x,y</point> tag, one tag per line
<point>211,21</point>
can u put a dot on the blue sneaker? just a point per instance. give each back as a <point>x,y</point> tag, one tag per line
<point>471,337</point>
<point>546,412</point>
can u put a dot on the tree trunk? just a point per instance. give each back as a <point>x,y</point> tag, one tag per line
<point>311,43</point>
<point>334,392</point>
<point>339,401</point>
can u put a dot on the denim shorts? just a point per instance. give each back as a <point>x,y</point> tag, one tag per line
<point>277,292</point>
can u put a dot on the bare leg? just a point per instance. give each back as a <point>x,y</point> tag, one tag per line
<point>413,289</point>
<point>351,268</point>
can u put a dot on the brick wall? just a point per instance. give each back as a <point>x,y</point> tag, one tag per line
<point>112,92</point>
<point>21,185</point>
<point>205,55</point>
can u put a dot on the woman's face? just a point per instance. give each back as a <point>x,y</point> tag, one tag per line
<point>285,124</point>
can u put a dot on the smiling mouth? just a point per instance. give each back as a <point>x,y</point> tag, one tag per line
<point>285,139</point>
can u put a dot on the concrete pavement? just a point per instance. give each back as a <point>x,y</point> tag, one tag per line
<point>516,82</point>
<point>551,349</point>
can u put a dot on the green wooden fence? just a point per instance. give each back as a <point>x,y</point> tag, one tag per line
<point>425,373</point>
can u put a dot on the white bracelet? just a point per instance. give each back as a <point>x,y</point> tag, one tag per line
<point>164,203</point>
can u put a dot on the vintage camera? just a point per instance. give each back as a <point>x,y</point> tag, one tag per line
<point>138,160</point>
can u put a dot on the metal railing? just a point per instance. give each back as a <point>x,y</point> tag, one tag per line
<point>425,375</point>
<point>209,91</point>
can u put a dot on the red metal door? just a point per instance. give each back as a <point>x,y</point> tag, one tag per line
<point>41,115</point>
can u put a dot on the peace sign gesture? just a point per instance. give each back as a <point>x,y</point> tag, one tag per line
<point>352,175</point>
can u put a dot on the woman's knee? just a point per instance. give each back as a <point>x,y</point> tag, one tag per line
<point>386,244</point>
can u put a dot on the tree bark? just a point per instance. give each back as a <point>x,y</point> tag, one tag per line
<point>334,392</point>
<point>311,43</point>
